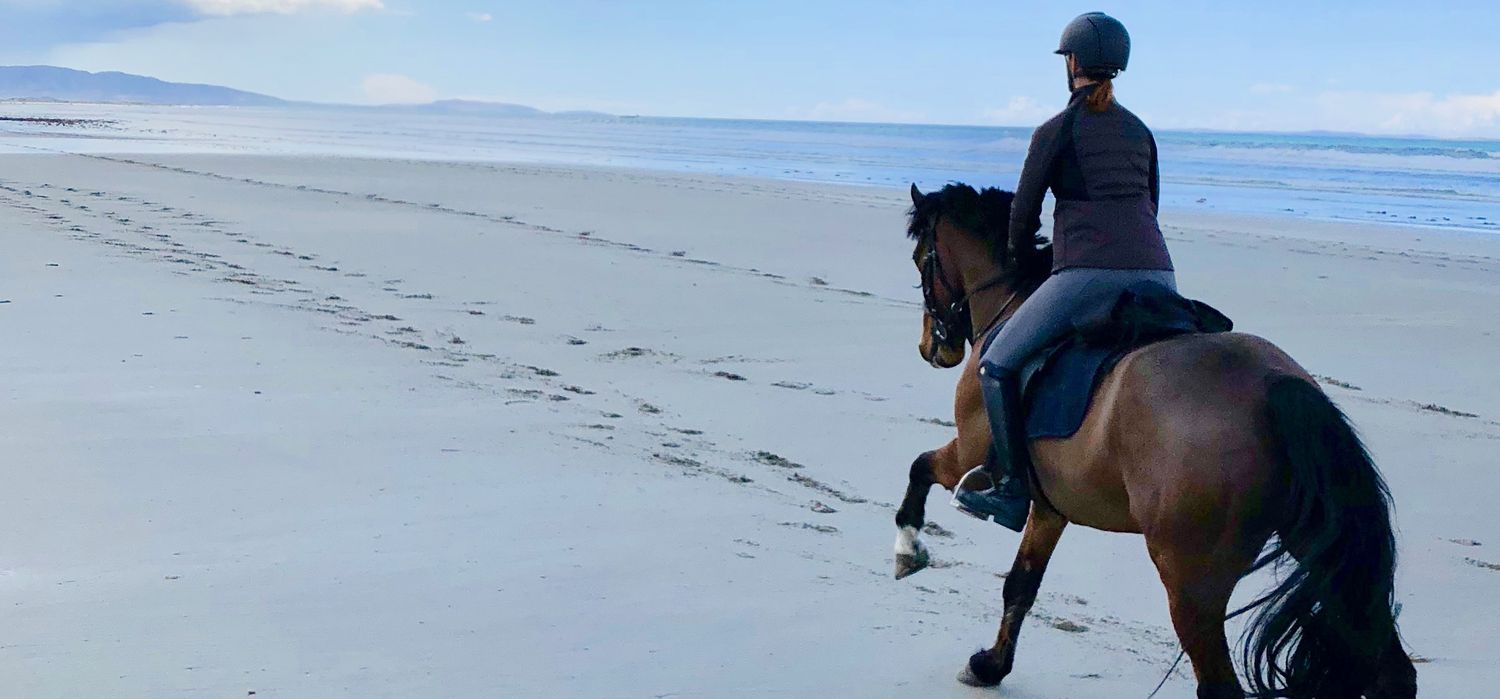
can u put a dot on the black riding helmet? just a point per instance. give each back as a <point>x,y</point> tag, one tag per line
<point>1098,43</point>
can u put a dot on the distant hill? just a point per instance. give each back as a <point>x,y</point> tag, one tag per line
<point>487,109</point>
<point>48,83</point>
<point>480,108</point>
<point>65,84</point>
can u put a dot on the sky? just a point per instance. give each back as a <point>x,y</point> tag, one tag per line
<point>1378,66</point>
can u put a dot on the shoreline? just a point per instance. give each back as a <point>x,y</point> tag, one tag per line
<point>1171,214</point>
<point>1328,176</point>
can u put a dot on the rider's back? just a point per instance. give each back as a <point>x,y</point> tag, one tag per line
<point>1101,164</point>
<point>1105,180</point>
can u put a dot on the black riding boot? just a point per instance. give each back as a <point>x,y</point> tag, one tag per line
<point>999,489</point>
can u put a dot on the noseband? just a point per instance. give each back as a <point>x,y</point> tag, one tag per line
<point>953,322</point>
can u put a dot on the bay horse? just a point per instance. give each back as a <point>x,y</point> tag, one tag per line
<point>1218,448</point>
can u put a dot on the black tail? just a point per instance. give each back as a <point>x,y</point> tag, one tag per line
<point>1326,629</point>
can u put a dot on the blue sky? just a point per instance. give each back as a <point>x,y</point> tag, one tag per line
<point>1379,66</point>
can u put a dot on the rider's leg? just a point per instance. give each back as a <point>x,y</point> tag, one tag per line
<point>1047,315</point>
<point>1000,490</point>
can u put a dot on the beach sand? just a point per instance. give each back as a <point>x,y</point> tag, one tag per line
<point>318,426</point>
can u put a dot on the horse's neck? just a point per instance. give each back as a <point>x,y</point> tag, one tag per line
<point>986,305</point>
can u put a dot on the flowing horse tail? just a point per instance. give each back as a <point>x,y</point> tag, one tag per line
<point>1329,628</point>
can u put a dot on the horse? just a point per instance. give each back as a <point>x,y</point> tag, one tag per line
<point>1218,448</point>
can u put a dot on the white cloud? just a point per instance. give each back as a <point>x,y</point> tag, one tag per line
<point>1019,111</point>
<point>224,8</point>
<point>1453,115</point>
<point>480,16</point>
<point>390,88</point>
<point>1414,112</point>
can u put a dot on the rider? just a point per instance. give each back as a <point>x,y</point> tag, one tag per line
<point>1100,162</point>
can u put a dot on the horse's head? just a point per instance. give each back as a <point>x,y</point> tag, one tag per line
<point>960,251</point>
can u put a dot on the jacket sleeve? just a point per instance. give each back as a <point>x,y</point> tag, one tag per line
<point>1026,208</point>
<point>1155,176</point>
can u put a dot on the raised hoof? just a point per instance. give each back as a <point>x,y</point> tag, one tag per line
<point>981,671</point>
<point>908,563</point>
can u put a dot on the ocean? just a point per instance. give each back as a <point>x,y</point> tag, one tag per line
<point>1408,181</point>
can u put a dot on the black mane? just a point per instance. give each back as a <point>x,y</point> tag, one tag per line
<point>986,215</point>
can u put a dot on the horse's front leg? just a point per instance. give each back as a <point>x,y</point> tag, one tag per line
<point>944,467</point>
<point>987,667</point>
<point>911,553</point>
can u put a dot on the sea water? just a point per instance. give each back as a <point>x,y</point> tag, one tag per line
<point>1412,181</point>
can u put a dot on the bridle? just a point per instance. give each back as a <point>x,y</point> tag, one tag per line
<point>952,323</point>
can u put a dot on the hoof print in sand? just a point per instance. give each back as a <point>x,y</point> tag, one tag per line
<point>934,529</point>
<point>770,459</point>
<point>820,528</point>
<point>1444,410</point>
<point>637,353</point>
<point>825,489</point>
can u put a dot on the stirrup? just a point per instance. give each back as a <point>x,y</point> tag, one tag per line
<point>959,505</point>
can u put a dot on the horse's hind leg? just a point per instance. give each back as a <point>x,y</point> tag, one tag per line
<point>1397,678</point>
<point>1199,584</point>
<point>987,667</point>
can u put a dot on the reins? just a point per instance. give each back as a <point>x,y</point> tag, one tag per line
<point>999,314</point>
<point>944,321</point>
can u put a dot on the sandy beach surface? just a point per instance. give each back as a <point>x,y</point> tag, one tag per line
<point>324,426</point>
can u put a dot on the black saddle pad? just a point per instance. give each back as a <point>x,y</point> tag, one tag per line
<point>1058,384</point>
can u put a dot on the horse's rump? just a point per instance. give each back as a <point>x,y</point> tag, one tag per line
<point>1058,384</point>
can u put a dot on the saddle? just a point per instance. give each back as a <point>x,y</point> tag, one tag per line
<point>1058,383</point>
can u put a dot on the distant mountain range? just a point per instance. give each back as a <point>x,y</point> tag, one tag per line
<point>482,109</point>
<point>68,85</point>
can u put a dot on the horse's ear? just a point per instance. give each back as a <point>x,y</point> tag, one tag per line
<point>916,194</point>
